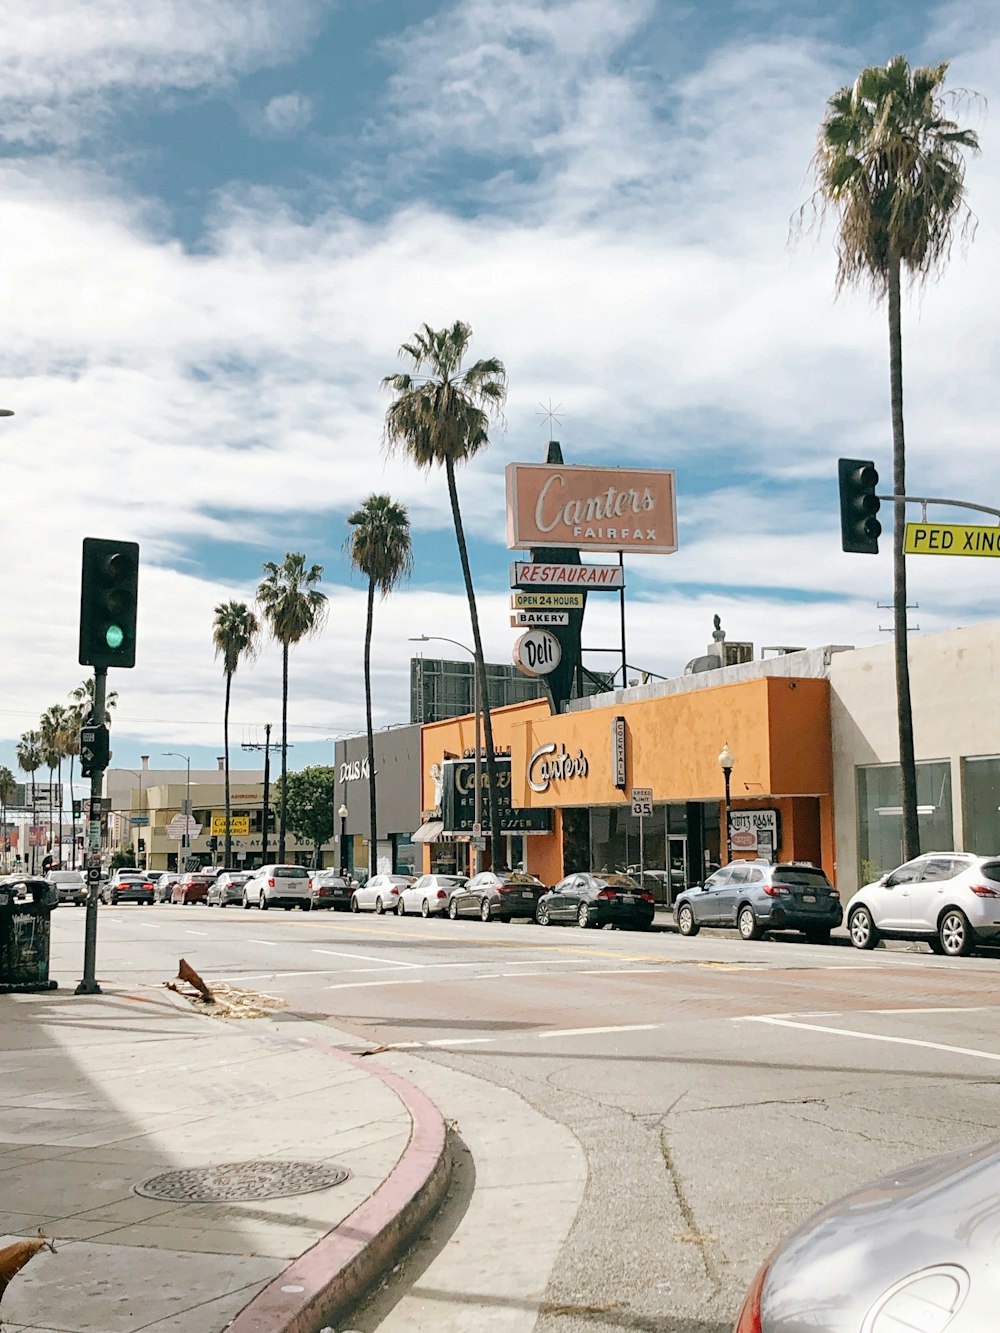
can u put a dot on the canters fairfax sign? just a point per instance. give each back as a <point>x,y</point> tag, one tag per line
<point>591,509</point>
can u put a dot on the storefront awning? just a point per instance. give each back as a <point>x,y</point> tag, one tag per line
<point>429,832</point>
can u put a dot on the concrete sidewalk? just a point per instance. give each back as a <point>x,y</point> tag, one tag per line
<point>101,1095</point>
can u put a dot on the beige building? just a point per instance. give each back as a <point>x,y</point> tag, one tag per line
<point>955,688</point>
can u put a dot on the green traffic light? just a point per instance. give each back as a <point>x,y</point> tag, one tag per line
<point>114,636</point>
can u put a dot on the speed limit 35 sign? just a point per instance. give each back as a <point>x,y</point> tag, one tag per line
<point>642,802</point>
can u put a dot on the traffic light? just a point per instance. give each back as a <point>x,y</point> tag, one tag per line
<point>859,528</point>
<point>213,843</point>
<point>108,594</point>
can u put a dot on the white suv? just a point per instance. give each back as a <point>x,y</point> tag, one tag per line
<point>949,899</point>
<point>278,886</point>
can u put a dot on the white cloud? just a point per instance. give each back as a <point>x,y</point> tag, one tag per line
<point>283,117</point>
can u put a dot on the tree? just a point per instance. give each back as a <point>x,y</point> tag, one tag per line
<point>890,163</point>
<point>84,696</point>
<point>293,606</point>
<point>308,798</point>
<point>29,760</point>
<point>53,726</point>
<point>380,548</point>
<point>440,416</point>
<point>234,632</point>
<point>8,791</point>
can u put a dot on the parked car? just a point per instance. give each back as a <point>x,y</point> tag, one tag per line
<point>429,894</point>
<point>227,888</point>
<point>192,887</point>
<point>330,890</point>
<point>164,886</point>
<point>497,896</point>
<point>914,1250</point>
<point>380,893</point>
<point>128,886</point>
<point>70,886</point>
<point>597,900</point>
<point>949,899</point>
<point>757,897</point>
<point>278,886</point>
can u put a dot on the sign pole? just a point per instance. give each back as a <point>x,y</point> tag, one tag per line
<point>621,562</point>
<point>478,817</point>
<point>88,985</point>
<point>642,854</point>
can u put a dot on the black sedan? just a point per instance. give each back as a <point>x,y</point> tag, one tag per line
<point>331,890</point>
<point>497,897</point>
<point>597,900</point>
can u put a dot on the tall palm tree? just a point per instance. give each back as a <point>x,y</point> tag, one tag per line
<point>234,633</point>
<point>71,733</point>
<point>84,695</point>
<point>441,416</point>
<point>293,606</point>
<point>380,548</point>
<point>8,790</point>
<point>890,163</point>
<point>53,726</point>
<point>29,760</point>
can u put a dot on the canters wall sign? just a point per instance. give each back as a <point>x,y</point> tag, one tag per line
<point>591,509</point>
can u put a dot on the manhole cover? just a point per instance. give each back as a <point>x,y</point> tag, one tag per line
<point>235,1182</point>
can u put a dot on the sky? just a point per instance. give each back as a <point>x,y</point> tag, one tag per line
<point>221,218</point>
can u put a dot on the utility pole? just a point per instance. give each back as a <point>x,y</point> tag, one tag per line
<point>267,747</point>
<point>88,985</point>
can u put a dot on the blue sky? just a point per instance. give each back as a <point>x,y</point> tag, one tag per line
<point>222,217</point>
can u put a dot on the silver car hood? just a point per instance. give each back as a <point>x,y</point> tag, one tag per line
<point>833,1274</point>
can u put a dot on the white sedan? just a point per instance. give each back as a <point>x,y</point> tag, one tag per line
<point>429,895</point>
<point>380,894</point>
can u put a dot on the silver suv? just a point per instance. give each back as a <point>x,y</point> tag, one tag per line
<point>949,899</point>
<point>278,886</point>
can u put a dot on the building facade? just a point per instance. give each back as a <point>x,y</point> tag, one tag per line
<point>397,769</point>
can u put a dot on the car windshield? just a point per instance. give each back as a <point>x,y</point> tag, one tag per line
<point>291,872</point>
<point>66,877</point>
<point>801,875</point>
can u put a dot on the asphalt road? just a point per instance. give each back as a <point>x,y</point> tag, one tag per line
<point>721,1090</point>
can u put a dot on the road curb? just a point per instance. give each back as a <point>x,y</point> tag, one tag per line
<point>329,1278</point>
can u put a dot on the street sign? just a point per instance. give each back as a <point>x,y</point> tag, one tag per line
<point>239,826</point>
<point>951,539</point>
<point>642,802</point>
<point>537,652</point>
<point>479,844</point>
<point>546,601</point>
<point>528,618</point>
<point>592,578</point>
<point>94,749</point>
<point>181,824</point>
<point>477,830</point>
<point>138,821</point>
<point>94,874</point>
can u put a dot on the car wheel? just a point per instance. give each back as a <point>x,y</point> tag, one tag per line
<point>862,929</point>
<point>307,906</point>
<point>425,908</point>
<point>486,910</point>
<point>686,923</point>
<point>818,936</point>
<point>542,914</point>
<point>453,910</point>
<point>747,923</point>
<point>935,945</point>
<point>262,901</point>
<point>955,933</point>
<point>583,917</point>
<point>355,905</point>
<point>379,908</point>
<point>246,903</point>
<point>400,907</point>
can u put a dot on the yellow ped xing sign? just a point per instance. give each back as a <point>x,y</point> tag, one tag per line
<point>951,539</point>
<point>546,601</point>
<point>239,826</point>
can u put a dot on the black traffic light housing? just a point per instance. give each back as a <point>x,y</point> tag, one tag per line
<point>859,528</point>
<point>213,843</point>
<point>108,595</point>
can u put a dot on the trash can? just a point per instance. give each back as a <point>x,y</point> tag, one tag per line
<point>25,931</point>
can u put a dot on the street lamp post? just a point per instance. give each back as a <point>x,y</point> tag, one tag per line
<point>726,762</point>
<point>186,836</point>
<point>342,848</point>
<point>478,809</point>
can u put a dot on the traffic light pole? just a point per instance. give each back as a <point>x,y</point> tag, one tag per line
<point>89,986</point>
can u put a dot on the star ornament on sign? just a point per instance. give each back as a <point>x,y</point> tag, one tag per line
<point>550,415</point>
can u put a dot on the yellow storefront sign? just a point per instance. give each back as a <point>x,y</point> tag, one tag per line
<point>239,826</point>
<point>546,601</point>
<point>951,539</point>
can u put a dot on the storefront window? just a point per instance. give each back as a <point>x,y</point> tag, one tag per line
<point>407,855</point>
<point>614,839</point>
<point>980,799</point>
<point>880,815</point>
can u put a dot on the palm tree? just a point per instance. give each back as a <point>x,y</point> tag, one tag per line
<point>234,633</point>
<point>29,760</point>
<point>890,163</point>
<point>293,607</point>
<point>380,548</point>
<point>84,695</point>
<point>71,733</point>
<point>8,791</point>
<point>53,726</point>
<point>440,416</point>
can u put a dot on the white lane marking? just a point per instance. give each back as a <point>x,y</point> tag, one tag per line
<point>360,985</point>
<point>596,1032</point>
<point>274,976</point>
<point>197,932</point>
<point>844,1013</point>
<point>871,1036</point>
<point>270,943</point>
<point>515,1034</point>
<point>366,958</point>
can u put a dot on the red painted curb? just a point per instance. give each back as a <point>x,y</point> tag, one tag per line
<point>335,1272</point>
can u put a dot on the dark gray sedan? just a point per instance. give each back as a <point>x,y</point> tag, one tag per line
<point>597,900</point>
<point>916,1250</point>
<point>756,897</point>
